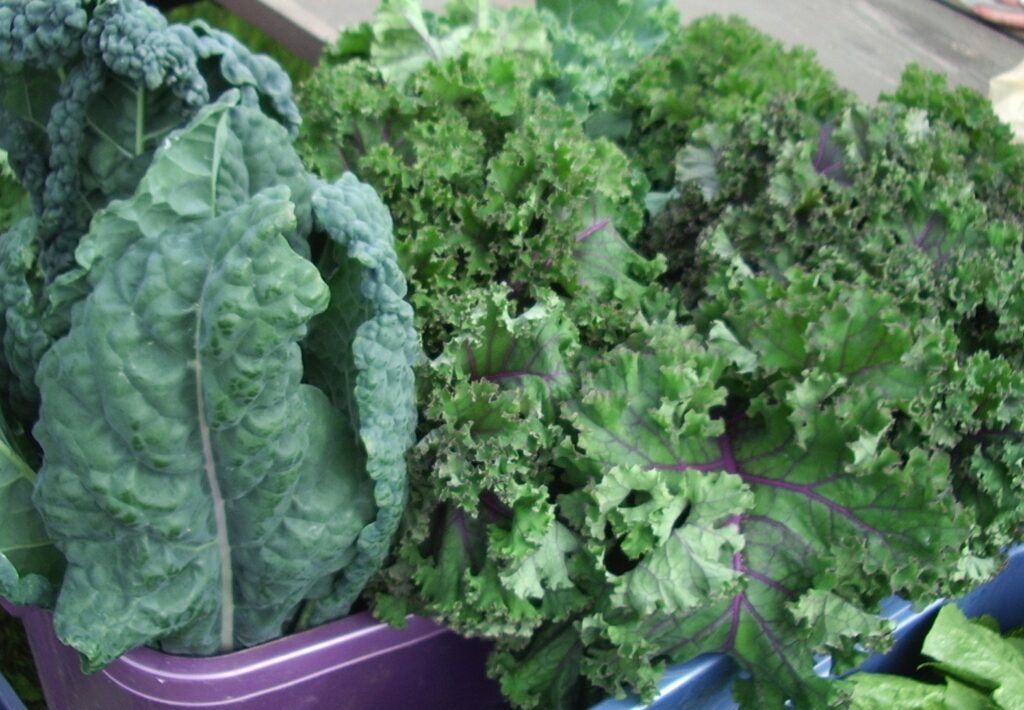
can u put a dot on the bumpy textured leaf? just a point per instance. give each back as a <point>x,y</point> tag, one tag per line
<point>14,202</point>
<point>407,38</point>
<point>88,92</point>
<point>30,566</point>
<point>215,495</point>
<point>596,42</point>
<point>523,197</point>
<point>227,154</point>
<point>25,333</point>
<point>812,512</point>
<point>125,79</point>
<point>363,349</point>
<point>200,492</point>
<point>248,154</point>
<point>258,41</point>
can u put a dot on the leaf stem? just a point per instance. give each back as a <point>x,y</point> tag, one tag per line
<point>140,121</point>
<point>227,608</point>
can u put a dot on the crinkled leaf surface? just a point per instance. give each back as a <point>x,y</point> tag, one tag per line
<point>406,37</point>
<point>30,566</point>
<point>596,42</point>
<point>188,475</point>
<point>25,333</point>
<point>361,353</point>
<point>246,153</point>
<point>227,154</point>
<point>813,513</point>
<point>126,79</point>
<point>14,201</point>
<point>198,489</point>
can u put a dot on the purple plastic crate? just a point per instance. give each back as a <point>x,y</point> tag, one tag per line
<point>355,663</point>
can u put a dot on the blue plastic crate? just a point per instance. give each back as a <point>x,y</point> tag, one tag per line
<point>8,700</point>
<point>705,683</point>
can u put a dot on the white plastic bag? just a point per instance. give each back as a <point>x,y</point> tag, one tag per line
<point>1007,94</point>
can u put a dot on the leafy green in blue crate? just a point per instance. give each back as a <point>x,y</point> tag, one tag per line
<point>966,663</point>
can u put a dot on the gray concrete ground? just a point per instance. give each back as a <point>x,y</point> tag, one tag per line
<point>866,42</point>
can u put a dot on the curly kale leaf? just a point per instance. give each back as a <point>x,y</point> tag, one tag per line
<point>995,163</point>
<point>487,553</point>
<point>882,196</point>
<point>712,70</point>
<point>527,199</point>
<point>815,502</point>
<point>597,42</point>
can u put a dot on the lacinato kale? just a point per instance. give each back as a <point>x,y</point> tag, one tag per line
<point>218,342</point>
<point>88,91</point>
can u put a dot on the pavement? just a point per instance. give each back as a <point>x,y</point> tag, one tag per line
<point>865,42</point>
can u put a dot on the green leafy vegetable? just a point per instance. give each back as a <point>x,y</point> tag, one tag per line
<point>203,495</point>
<point>791,401</point>
<point>869,260</point>
<point>881,195</point>
<point>525,197</point>
<point>30,566</point>
<point>88,91</point>
<point>712,70</point>
<point>597,42</point>
<point>972,666</point>
<point>14,202</point>
<point>253,38</point>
